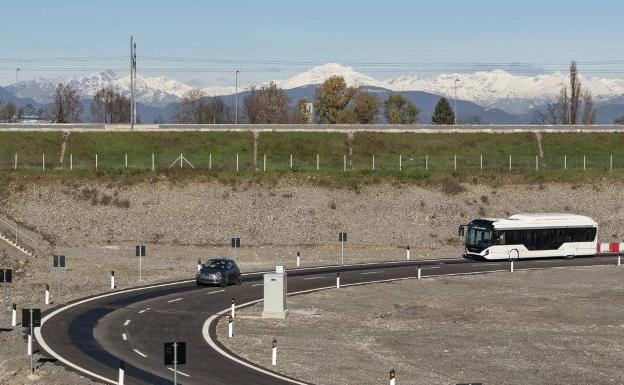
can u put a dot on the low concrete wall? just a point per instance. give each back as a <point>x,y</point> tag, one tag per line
<point>347,128</point>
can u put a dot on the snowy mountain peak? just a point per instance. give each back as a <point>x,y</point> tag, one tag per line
<point>318,75</point>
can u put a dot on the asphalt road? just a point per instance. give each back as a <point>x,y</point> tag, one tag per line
<point>93,335</point>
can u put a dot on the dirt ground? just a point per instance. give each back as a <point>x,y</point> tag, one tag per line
<point>97,224</point>
<point>558,326</point>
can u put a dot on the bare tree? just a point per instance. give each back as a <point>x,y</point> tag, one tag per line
<point>549,114</point>
<point>109,106</point>
<point>589,112</point>
<point>191,107</point>
<point>563,106</point>
<point>66,107</point>
<point>10,113</point>
<point>575,93</point>
<point>267,105</point>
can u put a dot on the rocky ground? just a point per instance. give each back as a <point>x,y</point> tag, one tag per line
<point>558,326</point>
<point>97,224</point>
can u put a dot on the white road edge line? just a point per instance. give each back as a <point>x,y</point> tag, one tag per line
<point>373,272</point>
<point>126,323</point>
<point>139,353</point>
<point>216,291</point>
<point>257,284</point>
<point>124,337</point>
<point>179,372</point>
<point>310,278</point>
<point>175,300</point>
<point>142,311</point>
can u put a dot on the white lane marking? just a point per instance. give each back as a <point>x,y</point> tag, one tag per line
<point>310,278</point>
<point>490,264</point>
<point>126,323</point>
<point>373,272</point>
<point>124,337</point>
<point>181,373</point>
<point>139,353</point>
<point>217,291</point>
<point>433,267</point>
<point>143,311</point>
<point>257,284</point>
<point>175,300</point>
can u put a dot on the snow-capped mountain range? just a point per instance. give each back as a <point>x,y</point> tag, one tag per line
<point>490,89</point>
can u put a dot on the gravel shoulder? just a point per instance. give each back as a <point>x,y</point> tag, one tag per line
<point>558,326</point>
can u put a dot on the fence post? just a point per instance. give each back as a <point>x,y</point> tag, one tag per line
<point>71,162</point>
<point>481,161</point>
<point>344,167</point>
<point>426,162</point>
<point>565,162</point>
<point>400,163</point>
<point>153,163</point>
<point>509,162</point>
<point>236,162</point>
<point>126,160</point>
<point>43,161</point>
<point>536,163</point>
<point>373,162</point>
<point>291,163</point>
<point>96,161</point>
<point>264,163</point>
<point>210,162</point>
<point>611,163</point>
<point>318,162</point>
<point>584,164</point>
<point>455,163</point>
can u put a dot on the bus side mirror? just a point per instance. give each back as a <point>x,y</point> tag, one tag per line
<point>460,231</point>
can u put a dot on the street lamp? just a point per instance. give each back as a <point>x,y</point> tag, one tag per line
<point>236,98</point>
<point>456,81</point>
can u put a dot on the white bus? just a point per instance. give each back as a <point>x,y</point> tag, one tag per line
<point>530,236</point>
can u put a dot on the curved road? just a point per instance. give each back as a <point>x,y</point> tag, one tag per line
<point>92,335</point>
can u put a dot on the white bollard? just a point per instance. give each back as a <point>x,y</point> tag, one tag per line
<point>126,161</point>
<point>153,163</point>
<point>199,265</point>
<point>47,294</point>
<point>14,316</point>
<point>122,373</point>
<point>233,306</point>
<point>392,377</point>
<point>30,344</point>
<point>274,353</point>
<point>112,280</point>
<point>619,264</point>
<point>230,328</point>
<point>71,161</point>
<point>407,255</point>
<point>298,259</point>
<point>419,272</point>
<point>236,162</point>
<point>337,280</point>
<point>511,269</point>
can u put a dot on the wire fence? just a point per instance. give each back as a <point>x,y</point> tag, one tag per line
<point>408,163</point>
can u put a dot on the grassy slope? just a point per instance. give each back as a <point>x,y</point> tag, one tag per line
<point>440,150</point>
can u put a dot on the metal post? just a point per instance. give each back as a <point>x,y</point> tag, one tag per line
<point>264,163</point>
<point>15,165</point>
<point>209,161</point>
<point>140,268</point>
<point>47,294</point>
<point>30,343</point>
<point>611,163</point>
<point>126,161</point>
<point>122,369</point>
<point>237,162</point>
<point>344,167</point>
<point>373,162</point>
<point>175,363</point>
<point>584,163</point>
<point>511,269</point>
<point>298,259</point>
<point>318,162</point>
<point>481,162</point>
<point>536,163</point>
<point>233,310</point>
<point>419,272</point>
<point>407,255</point>
<point>43,162</point>
<point>230,328</point>
<point>274,353</point>
<point>153,163</point>
<point>565,162</point>
<point>338,280</point>
<point>14,316</point>
<point>181,159</point>
<point>96,161</point>
<point>71,162</point>
<point>400,162</point>
<point>112,280</point>
<point>455,163</point>
<point>342,250</point>
<point>426,162</point>
<point>509,162</point>
<point>236,99</point>
<point>131,83</point>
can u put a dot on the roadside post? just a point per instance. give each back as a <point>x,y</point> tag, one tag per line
<point>407,253</point>
<point>419,272</point>
<point>233,307</point>
<point>140,252</point>
<point>338,280</point>
<point>230,327</point>
<point>274,353</point>
<point>122,373</point>
<point>392,377</point>
<point>298,259</point>
<point>342,237</point>
<point>7,277</point>
<point>175,354</point>
<point>112,280</point>
<point>619,260</point>
<point>14,316</point>
<point>32,319</point>
<point>513,256</point>
<point>236,244</point>
<point>47,294</point>
<point>58,262</point>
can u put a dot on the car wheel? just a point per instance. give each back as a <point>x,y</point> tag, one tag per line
<point>224,281</point>
<point>239,280</point>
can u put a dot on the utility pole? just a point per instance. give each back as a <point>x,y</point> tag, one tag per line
<point>134,64</point>
<point>132,82</point>
<point>456,81</point>
<point>236,98</point>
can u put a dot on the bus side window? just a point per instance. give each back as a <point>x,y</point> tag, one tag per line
<point>501,237</point>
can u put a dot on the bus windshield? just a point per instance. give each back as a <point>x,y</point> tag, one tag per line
<point>479,236</point>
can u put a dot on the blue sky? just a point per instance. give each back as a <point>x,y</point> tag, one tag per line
<point>276,39</point>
